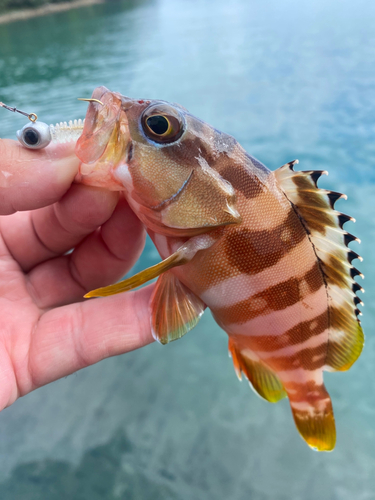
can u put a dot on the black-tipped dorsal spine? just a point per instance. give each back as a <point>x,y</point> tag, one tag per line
<point>357,301</point>
<point>292,163</point>
<point>353,255</point>
<point>315,175</point>
<point>333,197</point>
<point>349,237</point>
<point>357,287</point>
<point>354,272</point>
<point>342,218</point>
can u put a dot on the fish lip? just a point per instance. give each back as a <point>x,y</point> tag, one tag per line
<point>95,144</point>
<point>168,200</point>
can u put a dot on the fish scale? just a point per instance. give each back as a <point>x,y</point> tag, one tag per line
<point>265,251</point>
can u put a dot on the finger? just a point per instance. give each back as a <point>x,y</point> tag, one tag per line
<point>35,236</point>
<point>31,179</point>
<point>101,259</point>
<point>72,337</point>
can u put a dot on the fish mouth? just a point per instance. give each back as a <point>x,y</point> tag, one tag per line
<point>105,140</point>
<point>101,122</point>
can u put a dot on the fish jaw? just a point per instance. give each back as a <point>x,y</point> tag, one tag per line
<point>105,142</point>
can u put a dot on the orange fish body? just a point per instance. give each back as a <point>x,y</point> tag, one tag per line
<point>265,251</point>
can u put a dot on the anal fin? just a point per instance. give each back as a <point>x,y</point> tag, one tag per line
<point>263,380</point>
<point>174,309</point>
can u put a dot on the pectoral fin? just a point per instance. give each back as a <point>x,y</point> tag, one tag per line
<point>174,309</point>
<point>138,279</point>
<point>183,255</point>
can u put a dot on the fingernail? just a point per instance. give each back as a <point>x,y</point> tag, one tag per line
<point>64,160</point>
<point>66,168</point>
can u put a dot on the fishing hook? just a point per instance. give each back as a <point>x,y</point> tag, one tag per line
<point>90,100</point>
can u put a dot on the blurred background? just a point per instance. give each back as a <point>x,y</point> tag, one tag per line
<point>288,80</point>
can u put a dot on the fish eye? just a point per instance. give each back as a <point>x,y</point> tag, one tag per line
<point>158,124</point>
<point>162,123</point>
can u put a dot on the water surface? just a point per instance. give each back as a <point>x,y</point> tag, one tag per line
<point>288,80</point>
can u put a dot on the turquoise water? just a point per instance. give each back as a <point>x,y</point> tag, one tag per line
<point>288,80</point>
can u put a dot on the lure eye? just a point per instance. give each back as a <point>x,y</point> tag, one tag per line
<point>162,123</point>
<point>34,135</point>
<point>31,137</point>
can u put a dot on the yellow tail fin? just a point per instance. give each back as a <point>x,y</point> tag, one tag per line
<point>315,421</point>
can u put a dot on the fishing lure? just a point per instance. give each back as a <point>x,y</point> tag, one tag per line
<point>265,251</point>
<point>37,135</point>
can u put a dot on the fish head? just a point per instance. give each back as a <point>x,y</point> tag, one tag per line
<point>162,157</point>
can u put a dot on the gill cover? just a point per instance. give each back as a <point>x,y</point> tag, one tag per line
<point>205,201</point>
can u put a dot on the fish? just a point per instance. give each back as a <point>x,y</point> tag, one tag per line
<point>264,250</point>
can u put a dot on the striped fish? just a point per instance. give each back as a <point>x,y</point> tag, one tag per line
<point>265,251</point>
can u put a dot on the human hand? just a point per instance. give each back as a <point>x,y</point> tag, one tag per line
<point>46,331</point>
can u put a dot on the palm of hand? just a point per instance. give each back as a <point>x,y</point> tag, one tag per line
<point>46,331</point>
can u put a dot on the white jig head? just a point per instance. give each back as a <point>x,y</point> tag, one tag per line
<point>38,135</point>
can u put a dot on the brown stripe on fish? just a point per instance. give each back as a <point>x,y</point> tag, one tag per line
<point>239,286</point>
<point>335,271</point>
<point>238,168</point>
<point>296,335</point>
<point>250,251</point>
<point>310,358</point>
<point>274,298</point>
<point>313,278</point>
<point>242,180</point>
<point>316,220</point>
<point>314,207</point>
<point>342,318</point>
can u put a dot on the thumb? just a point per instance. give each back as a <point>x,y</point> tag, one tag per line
<point>31,179</point>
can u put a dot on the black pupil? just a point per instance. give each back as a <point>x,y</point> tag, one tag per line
<point>31,137</point>
<point>158,124</point>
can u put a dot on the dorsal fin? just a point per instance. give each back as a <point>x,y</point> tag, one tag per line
<point>323,224</point>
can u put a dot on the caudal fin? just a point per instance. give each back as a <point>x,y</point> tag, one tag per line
<point>314,419</point>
